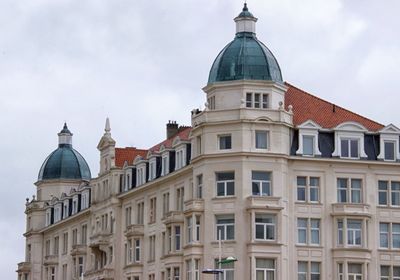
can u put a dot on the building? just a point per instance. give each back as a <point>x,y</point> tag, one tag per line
<point>289,185</point>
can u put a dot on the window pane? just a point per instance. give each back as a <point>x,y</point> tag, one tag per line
<point>344,145</point>
<point>308,145</point>
<point>354,148</point>
<point>261,139</point>
<point>230,188</point>
<point>225,142</point>
<point>396,271</point>
<point>265,263</point>
<point>256,188</point>
<point>223,176</point>
<point>248,100</point>
<point>355,268</point>
<point>385,270</point>
<point>261,175</point>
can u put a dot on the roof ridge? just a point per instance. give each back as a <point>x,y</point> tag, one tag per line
<point>337,106</point>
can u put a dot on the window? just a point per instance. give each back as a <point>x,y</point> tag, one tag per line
<point>47,248</point>
<point>65,243</point>
<point>228,270</point>
<point>225,227</point>
<point>152,210</point>
<point>165,165</point>
<point>57,213</point>
<point>75,205</point>
<point>176,273</point>
<point>211,103</point>
<point>84,235</point>
<point>56,245</point>
<point>225,183</point>
<point>308,145</point>
<point>152,248</point>
<point>308,189</point>
<point>189,222</point>
<point>349,148</point>
<point>225,142</point>
<point>308,270</point>
<point>261,183</point>
<point>193,233</point>
<point>353,230</point>
<point>64,271</point>
<point>386,271</point>
<point>180,159</point>
<point>137,250</point>
<point>265,269</point>
<point>389,191</point>
<point>189,272</point>
<point>308,231</point>
<point>256,100</point>
<point>197,229</point>
<point>165,203</point>
<point>48,217</point>
<point>265,227</point>
<point>85,200</point>
<point>152,169</point>
<point>177,238</point>
<point>128,216</point>
<point>199,186</point>
<point>389,235</point>
<point>141,175</point>
<point>74,237</point>
<point>261,139</point>
<point>180,194</point>
<point>349,190</point>
<point>354,271</point>
<point>140,213</point>
<point>65,209</point>
<point>389,150</point>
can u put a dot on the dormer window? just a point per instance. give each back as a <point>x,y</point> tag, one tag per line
<point>152,169</point>
<point>165,164</point>
<point>48,217</point>
<point>180,159</point>
<point>256,100</point>
<point>75,205</point>
<point>349,148</point>
<point>65,209</point>
<point>308,145</point>
<point>390,150</point>
<point>141,175</point>
<point>57,213</point>
<point>85,200</point>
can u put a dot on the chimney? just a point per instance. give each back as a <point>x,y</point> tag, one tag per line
<point>172,129</point>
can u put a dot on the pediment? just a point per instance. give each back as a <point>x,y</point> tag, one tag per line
<point>138,159</point>
<point>54,200</point>
<point>351,127</point>
<point>390,129</point>
<point>177,141</point>
<point>162,148</point>
<point>309,124</point>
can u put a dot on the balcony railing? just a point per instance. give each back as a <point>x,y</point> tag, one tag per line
<point>24,267</point>
<point>134,230</point>
<point>100,274</point>
<point>194,205</point>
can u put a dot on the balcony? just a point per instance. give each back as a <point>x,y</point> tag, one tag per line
<point>51,260</point>
<point>194,205</point>
<point>78,249</point>
<point>173,217</point>
<point>264,202</point>
<point>24,267</point>
<point>101,237</point>
<point>100,274</point>
<point>351,209</point>
<point>134,230</point>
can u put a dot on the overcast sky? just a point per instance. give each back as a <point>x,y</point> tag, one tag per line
<point>144,62</point>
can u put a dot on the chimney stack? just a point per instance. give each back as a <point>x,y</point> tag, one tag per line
<point>172,129</point>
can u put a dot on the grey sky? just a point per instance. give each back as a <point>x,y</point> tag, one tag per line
<point>144,62</point>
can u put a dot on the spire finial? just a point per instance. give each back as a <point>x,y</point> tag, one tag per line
<point>245,9</point>
<point>107,128</point>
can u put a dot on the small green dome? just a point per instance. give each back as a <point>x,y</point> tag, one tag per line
<point>65,162</point>
<point>245,58</point>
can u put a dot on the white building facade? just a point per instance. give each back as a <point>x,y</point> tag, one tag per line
<point>273,181</point>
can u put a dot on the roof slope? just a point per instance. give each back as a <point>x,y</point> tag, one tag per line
<point>328,115</point>
<point>127,154</point>
<point>183,134</point>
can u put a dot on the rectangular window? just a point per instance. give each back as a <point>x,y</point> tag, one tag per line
<point>65,242</point>
<point>165,165</point>
<point>177,238</point>
<point>308,271</point>
<point>180,194</point>
<point>140,213</point>
<point>308,231</point>
<point>189,223</point>
<point>47,248</point>
<point>308,145</point>
<point>56,245</point>
<point>128,216</point>
<point>383,193</point>
<point>225,183</point>
<point>152,169</point>
<point>261,139</point>
<point>152,210</point>
<point>261,183</point>
<point>386,271</point>
<point>165,203</point>
<point>225,227</point>
<point>189,272</point>
<point>384,235</point>
<point>265,269</point>
<point>84,235</point>
<point>265,227</point>
<point>354,271</point>
<point>176,273</point>
<point>152,248</point>
<point>389,235</point>
<point>199,186</point>
<point>228,270</point>
<point>225,142</point>
<point>308,189</point>
<point>256,100</point>
<point>349,148</point>
<point>74,237</point>
<point>197,228</point>
<point>389,193</point>
<point>349,190</point>
<point>354,232</point>
<point>389,150</point>
<point>395,193</point>
<point>137,250</point>
<point>249,100</point>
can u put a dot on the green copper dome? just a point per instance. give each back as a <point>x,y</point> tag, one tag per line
<point>65,162</point>
<point>245,58</point>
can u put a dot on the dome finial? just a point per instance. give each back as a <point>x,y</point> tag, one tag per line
<point>245,9</point>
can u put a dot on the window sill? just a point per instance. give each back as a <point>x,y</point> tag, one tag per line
<point>309,246</point>
<point>193,245</point>
<point>393,207</point>
<point>231,197</point>
<point>223,242</point>
<point>389,250</point>
<point>299,202</point>
<point>136,264</point>
<point>265,242</point>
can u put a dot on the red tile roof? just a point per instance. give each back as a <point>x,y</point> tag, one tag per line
<point>326,114</point>
<point>127,154</point>
<point>183,134</point>
<point>130,153</point>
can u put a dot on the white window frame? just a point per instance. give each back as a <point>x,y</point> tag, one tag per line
<point>309,229</point>
<point>165,164</point>
<point>225,184</point>
<point>266,133</point>
<point>307,188</point>
<point>141,174</point>
<point>265,226</point>
<point>350,189</point>
<point>308,129</point>
<point>350,130</point>
<point>57,212</point>
<point>222,228</point>
<point>262,103</point>
<point>152,168</point>
<point>85,199</point>
<point>75,204</point>
<point>220,136</point>
<point>65,208</point>
<point>265,270</point>
<point>389,133</point>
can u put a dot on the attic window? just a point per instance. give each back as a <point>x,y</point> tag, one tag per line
<point>152,169</point>
<point>308,145</point>
<point>256,100</point>
<point>349,148</point>
<point>389,147</point>
<point>165,164</point>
